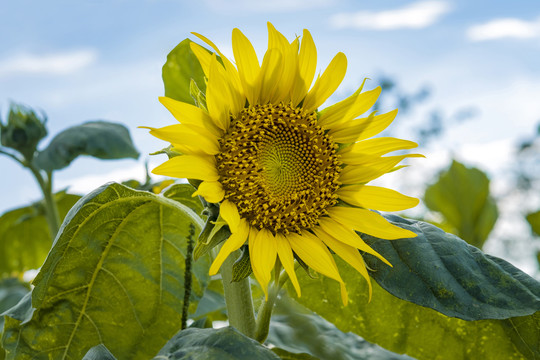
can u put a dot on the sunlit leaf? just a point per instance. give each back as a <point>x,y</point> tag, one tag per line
<point>25,239</point>
<point>182,66</point>
<point>100,139</point>
<point>114,276</point>
<point>214,344</point>
<point>461,195</point>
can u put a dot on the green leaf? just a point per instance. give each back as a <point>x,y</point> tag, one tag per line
<point>308,336</point>
<point>99,352</point>
<point>214,344</point>
<point>182,66</point>
<point>114,276</point>
<point>183,194</point>
<point>25,239</point>
<point>534,221</point>
<point>404,327</point>
<point>461,195</point>
<point>212,305</point>
<point>100,139</point>
<point>441,271</point>
<point>287,355</point>
<point>12,290</point>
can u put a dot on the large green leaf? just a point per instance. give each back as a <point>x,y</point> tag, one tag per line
<point>461,195</point>
<point>214,344</point>
<point>115,276</point>
<point>25,239</point>
<point>308,333</point>
<point>443,272</point>
<point>404,327</point>
<point>181,67</point>
<point>100,139</point>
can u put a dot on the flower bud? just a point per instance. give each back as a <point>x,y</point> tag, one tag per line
<point>23,131</point>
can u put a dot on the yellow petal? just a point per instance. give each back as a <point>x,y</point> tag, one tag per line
<point>378,146</point>
<point>231,69</point>
<point>190,115</point>
<point>247,63</point>
<point>362,103</point>
<point>368,222</point>
<point>229,212</point>
<point>376,198</point>
<point>327,83</point>
<point>315,254</point>
<point>190,167</point>
<point>204,57</point>
<point>346,235</point>
<point>271,70</point>
<point>347,253</point>
<point>363,128</point>
<point>307,64</point>
<point>287,260</point>
<point>362,169</point>
<point>218,95</point>
<point>194,137</point>
<point>262,252</point>
<point>211,191</point>
<point>334,113</point>
<point>234,242</point>
<point>289,59</point>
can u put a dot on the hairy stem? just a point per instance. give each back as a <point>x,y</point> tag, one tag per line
<point>238,299</point>
<point>264,315</point>
<point>51,210</point>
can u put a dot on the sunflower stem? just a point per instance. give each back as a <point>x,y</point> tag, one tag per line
<point>238,299</point>
<point>264,315</point>
<point>51,209</point>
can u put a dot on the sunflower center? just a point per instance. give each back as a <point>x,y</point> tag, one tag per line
<point>279,167</point>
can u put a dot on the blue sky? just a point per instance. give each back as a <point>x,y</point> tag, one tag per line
<point>101,59</point>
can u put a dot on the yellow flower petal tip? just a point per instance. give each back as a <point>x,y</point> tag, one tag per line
<point>279,168</point>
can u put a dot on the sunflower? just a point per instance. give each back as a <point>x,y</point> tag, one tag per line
<point>290,180</point>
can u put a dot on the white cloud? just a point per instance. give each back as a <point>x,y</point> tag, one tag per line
<point>263,6</point>
<point>417,15</point>
<point>504,28</point>
<point>51,64</point>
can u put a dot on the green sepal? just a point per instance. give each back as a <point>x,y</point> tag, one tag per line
<point>198,96</point>
<point>215,238</point>
<point>242,266</point>
<point>169,150</point>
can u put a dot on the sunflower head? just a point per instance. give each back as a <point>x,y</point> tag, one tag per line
<point>290,180</point>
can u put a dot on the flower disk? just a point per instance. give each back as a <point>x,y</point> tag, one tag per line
<point>279,167</point>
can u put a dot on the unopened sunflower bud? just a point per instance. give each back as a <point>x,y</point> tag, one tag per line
<point>23,131</point>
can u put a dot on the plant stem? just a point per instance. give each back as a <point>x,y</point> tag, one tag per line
<point>238,299</point>
<point>264,315</point>
<point>51,210</point>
